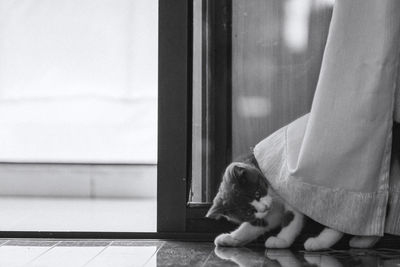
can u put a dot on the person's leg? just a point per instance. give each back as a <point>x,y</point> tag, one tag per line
<point>333,165</point>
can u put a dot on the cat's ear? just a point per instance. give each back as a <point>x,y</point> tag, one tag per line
<point>217,209</point>
<point>238,171</point>
<point>239,174</point>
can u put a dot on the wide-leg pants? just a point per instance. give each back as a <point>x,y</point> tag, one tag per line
<point>336,164</point>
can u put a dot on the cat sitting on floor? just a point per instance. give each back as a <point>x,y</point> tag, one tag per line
<point>246,198</point>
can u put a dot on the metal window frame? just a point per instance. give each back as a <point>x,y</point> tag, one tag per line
<point>173,114</point>
<point>175,215</point>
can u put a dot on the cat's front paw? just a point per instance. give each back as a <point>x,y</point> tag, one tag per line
<point>276,242</point>
<point>314,244</point>
<point>226,240</point>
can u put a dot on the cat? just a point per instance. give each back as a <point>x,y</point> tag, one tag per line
<point>246,198</point>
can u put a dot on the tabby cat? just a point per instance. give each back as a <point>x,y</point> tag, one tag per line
<point>246,198</point>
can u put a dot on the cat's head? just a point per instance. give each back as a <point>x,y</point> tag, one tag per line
<point>242,195</point>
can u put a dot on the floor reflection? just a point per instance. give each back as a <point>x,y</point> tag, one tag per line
<point>160,253</point>
<point>331,258</point>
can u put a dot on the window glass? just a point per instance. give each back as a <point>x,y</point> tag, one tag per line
<point>275,50</point>
<point>78,81</point>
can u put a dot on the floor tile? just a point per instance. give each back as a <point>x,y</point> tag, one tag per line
<point>123,256</point>
<point>65,256</point>
<point>32,242</point>
<point>152,253</point>
<point>287,258</point>
<point>85,243</point>
<point>18,254</point>
<point>138,243</point>
<point>184,253</point>
<point>236,257</point>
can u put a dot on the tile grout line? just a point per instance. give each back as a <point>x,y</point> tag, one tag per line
<point>41,254</point>
<point>208,257</point>
<point>2,244</point>
<point>155,253</point>
<point>95,256</point>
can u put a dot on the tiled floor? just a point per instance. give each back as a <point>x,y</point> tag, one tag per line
<point>124,253</point>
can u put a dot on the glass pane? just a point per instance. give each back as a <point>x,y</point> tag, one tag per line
<point>276,49</point>
<point>198,104</point>
<point>78,115</point>
<point>211,79</point>
<point>78,81</point>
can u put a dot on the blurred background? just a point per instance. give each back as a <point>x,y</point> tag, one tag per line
<point>78,115</point>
